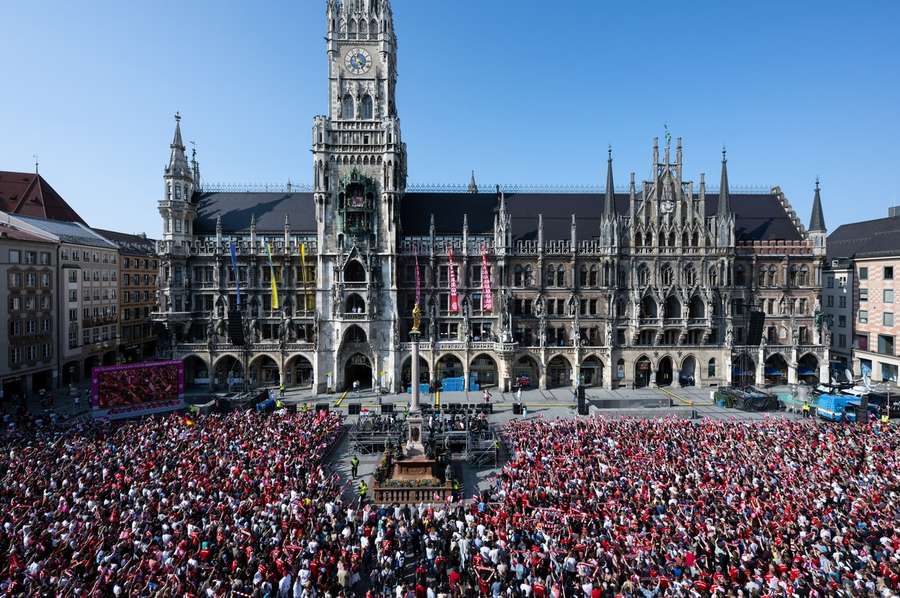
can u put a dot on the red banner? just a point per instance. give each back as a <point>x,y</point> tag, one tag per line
<point>418,280</point>
<point>454,297</point>
<point>487,298</point>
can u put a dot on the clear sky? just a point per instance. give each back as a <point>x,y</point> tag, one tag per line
<point>524,91</point>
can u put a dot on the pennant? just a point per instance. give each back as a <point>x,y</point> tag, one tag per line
<point>418,279</point>
<point>272,277</point>
<point>487,298</point>
<point>454,298</point>
<point>234,270</point>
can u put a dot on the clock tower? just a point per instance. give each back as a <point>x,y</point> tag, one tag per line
<point>359,177</point>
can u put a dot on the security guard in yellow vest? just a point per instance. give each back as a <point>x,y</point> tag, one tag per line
<point>363,491</point>
<point>354,465</point>
<point>806,409</point>
<point>456,487</point>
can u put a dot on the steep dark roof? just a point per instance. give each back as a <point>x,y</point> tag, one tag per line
<point>134,244</point>
<point>759,217</point>
<point>269,209</point>
<point>872,238</point>
<point>817,220</point>
<point>28,194</point>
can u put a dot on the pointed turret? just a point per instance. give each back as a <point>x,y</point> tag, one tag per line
<point>610,207</point>
<point>473,186</point>
<point>724,208</point>
<point>178,164</point>
<point>195,167</point>
<point>817,220</point>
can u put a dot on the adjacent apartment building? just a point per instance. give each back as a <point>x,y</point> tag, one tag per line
<point>28,285</point>
<point>138,273</point>
<point>868,253</point>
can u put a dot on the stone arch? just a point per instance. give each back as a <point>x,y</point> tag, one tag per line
<point>648,308</point>
<point>483,370</point>
<point>354,271</point>
<point>367,109</point>
<point>559,371</point>
<point>406,372</point>
<point>228,371</point>
<point>196,370</point>
<point>354,334</point>
<point>298,372</point>
<point>808,368</point>
<point>665,371</point>
<point>696,308</point>
<point>448,365</point>
<point>743,369</point>
<point>591,371</point>
<point>264,370</point>
<point>526,366</point>
<point>672,308</point>
<point>347,111</point>
<point>776,368</point>
<point>354,304</point>
<point>358,368</point>
<point>688,372</point>
<point>643,366</point>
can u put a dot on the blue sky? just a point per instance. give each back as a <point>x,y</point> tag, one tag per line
<point>523,92</point>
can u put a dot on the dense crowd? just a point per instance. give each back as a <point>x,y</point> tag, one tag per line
<point>127,386</point>
<point>243,505</point>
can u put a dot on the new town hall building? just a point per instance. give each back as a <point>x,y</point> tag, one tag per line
<point>653,286</point>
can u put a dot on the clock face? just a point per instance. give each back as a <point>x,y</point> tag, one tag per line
<point>358,61</point>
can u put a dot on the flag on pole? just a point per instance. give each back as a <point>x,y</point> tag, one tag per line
<point>418,279</point>
<point>454,298</point>
<point>272,276</point>
<point>487,298</point>
<point>234,270</point>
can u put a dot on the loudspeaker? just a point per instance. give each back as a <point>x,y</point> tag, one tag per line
<point>236,328</point>
<point>581,393</point>
<point>322,407</point>
<point>517,408</point>
<point>582,404</point>
<point>757,322</point>
<point>354,408</point>
<point>387,408</point>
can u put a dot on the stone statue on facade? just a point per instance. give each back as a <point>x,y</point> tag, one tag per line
<point>538,308</point>
<point>609,336</point>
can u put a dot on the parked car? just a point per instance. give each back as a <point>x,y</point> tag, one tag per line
<point>523,381</point>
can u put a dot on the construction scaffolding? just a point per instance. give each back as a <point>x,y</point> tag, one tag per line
<point>373,433</point>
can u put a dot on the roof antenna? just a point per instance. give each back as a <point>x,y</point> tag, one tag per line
<point>36,163</point>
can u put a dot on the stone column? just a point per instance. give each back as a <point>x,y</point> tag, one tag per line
<point>792,366</point>
<point>608,372</point>
<point>414,373</point>
<point>761,367</point>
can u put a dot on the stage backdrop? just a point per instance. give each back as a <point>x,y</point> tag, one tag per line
<point>136,384</point>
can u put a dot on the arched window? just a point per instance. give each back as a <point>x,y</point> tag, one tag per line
<point>690,277</point>
<point>354,272</point>
<point>560,276</point>
<point>518,276</point>
<point>662,239</point>
<point>347,107</point>
<point>583,276</point>
<point>529,276</point>
<point>367,109</point>
<point>592,279</point>
<point>804,277</point>
<point>671,239</point>
<point>792,276</point>
<point>643,275</point>
<point>695,240</point>
<point>713,277</point>
<point>684,239</point>
<point>740,277</point>
<point>770,278</point>
<point>551,275</point>
<point>665,275</point>
<point>711,368</point>
<point>638,239</point>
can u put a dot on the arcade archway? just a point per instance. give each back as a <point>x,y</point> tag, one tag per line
<point>358,369</point>
<point>592,371</point>
<point>642,368</point>
<point>483,371</point>
<point>808,369</point>
<point>559,372</point>
<point>743,370</point>
<point>664,372</point>
<point>776,369</point>
<point>687,376</point>
<point>526,372</point>
<point>298,372</point>
<point>229,372</point>
<point>196,372</point>
<point>406,372</point>
<point>264,371</point>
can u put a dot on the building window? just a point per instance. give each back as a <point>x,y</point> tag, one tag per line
<point>830,282</point>
<point>885,344</point>
<point>863,316</point>
<point>863,294</point>
<point>888,295</point>
<point>888,372</point>
<point>889,273</point>
<point>14,256</point>
<point>73,315</point>
<point>888,318</point>
<point>842,341</point>
<point>861,342</point>
<point>842,302</point>
<point>842,321</point>
<point>864,274</point>
<point>830,301</point>
<point>711,368</point>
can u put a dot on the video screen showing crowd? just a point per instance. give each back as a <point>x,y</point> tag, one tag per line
<point>133,385</point>
<point>250,504</point>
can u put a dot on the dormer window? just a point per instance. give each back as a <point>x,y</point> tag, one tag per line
<point>177,191</point>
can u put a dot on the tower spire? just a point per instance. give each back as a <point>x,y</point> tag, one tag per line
<point>817,220</point>
<point>473,186</point>
<point>610,207</point>
<point>178,164</point>
<point>724,209</point>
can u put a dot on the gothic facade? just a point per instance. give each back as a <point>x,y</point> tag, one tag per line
<point>653,286</point>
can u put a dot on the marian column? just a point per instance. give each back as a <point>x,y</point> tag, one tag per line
<point>414,421</point>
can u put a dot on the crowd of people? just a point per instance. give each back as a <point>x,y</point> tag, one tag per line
<point>126,386</point>
<point>246,505</point>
